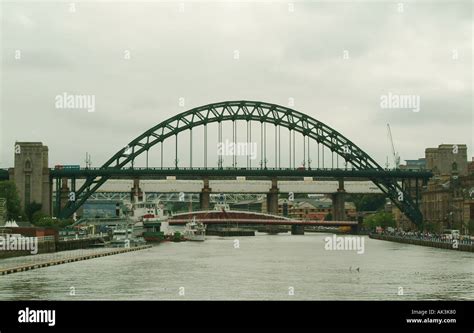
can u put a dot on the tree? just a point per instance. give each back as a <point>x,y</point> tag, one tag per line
<point>9,192</point>
<point>379,219</point>
<point>37,216</point>
<point>46,221</point>
<point>367,202</point>
<point>31,209</point>
<point>430,227</point>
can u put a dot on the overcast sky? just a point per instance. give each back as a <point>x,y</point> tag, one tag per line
<point>421,49</point>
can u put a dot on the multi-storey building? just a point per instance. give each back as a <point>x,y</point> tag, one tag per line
<point>446,201</point>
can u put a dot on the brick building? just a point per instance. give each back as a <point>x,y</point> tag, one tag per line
<point>314,209</point>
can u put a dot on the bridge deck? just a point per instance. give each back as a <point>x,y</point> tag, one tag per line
<point>266,222</point>
<point>250,173</point>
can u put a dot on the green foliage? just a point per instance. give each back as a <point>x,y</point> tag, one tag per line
<point>48,222</point>
<point>177,236</point>
<point>430,227</point>
<point>31,209</point>
<point>44,221</point>
<point>367,202</point>
<point>328,217</point>
<point>379,219</point>
<point>471,227</point>
<point>37,216</point>
<point>9,192</point>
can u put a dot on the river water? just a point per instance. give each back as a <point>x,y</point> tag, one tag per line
<point>268,267</point>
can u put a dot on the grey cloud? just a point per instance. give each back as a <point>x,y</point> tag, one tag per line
<point>190,55</point>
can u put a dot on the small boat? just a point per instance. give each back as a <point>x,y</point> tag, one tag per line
<point>151,220</point>
<point>124,237</point>
<point>195,231</point>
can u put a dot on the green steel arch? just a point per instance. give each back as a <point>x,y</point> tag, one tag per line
<point>250,111</point>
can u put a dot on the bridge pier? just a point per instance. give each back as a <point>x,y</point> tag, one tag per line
<point>136,191</point>
<point>297,229</point>
<point>272,198</point>
<point>355,228</point>
<point>338,208</point>
<point>64,196</point>
<point>205,195</point>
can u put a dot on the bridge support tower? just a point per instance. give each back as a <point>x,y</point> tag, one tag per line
<point>136,191</point>
<point>338,207</point>
<point>31,175</point>
<point>63,192</point>
<point>205,195</point>
<point>297,229</point>
<point>272,198</point>
<point>355,229</point>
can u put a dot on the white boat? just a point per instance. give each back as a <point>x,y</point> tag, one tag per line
<point>124,237</point>
<point>148,215</point>
<point>121,237</point>
<point>195,231</point>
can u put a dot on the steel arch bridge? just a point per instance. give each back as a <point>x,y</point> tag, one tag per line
<point>248,111</point>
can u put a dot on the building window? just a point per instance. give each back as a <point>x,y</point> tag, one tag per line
<point>27,189</point>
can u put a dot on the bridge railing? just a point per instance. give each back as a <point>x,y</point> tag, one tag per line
<point>235,168</point>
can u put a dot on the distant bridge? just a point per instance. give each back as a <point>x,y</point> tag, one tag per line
<point>233,218</point>
<point>233,186</point>
<point>267,222</point>
<point>334,156</point>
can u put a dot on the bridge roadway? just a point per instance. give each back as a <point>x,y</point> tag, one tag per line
<point>253,218</point>
<point>239,185</point>
<point>177,221</point>
<point>225,217</point>
<point>231,173</point>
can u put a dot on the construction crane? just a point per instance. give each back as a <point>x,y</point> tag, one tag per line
<point>396,157</point>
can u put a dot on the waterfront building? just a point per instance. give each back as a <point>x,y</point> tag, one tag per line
<point>313,209</point>
<point>446,159</point>
<point>446,201</point>
<point>470,166</point>
<point>449,204</point>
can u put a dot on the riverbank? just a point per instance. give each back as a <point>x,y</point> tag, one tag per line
<point>51,244</point>
<point>53,262</point>
<point>422,242</point>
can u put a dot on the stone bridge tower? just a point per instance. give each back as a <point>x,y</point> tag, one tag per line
<point>31,175</point>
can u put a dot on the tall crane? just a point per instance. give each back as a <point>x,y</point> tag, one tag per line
<point>396,157</point>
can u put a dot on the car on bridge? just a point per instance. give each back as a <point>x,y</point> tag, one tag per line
<point>67,167</point>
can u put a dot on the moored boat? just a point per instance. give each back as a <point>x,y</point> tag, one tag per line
<point>124,237</point>
<point>195,231</point>
<point>151,220</point>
